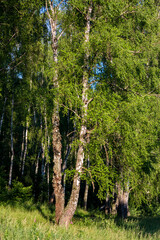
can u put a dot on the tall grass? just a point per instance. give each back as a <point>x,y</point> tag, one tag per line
<point>30,221</point>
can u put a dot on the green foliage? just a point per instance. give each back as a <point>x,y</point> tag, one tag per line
<point>18,193</point>
<point>123,90</point>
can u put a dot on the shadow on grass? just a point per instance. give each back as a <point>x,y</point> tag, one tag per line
<point>45,210</point>
<point>47,215</point>
<point>146,225</point>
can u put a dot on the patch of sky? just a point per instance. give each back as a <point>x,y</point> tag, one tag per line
<point>97,73</point>
<point>20,75</point>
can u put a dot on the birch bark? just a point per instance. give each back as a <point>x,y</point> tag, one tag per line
<point>72,204</point>
<point>25,146</point>
<point>86,189</point>
<point>12,149</point>
<point>56,136</point>
<point>2,117</point>
<point>22,150</point>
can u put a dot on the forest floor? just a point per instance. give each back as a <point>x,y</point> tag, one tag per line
<point>29,221</point>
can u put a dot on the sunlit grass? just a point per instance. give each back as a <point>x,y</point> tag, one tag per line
<point>31,221</point>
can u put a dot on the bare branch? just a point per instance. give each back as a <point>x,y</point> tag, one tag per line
<point>16,65</point>
<point>125,89</point>
<point>10,39</point>
<point>90,100</point>
<point>60,35</point>
<point>12,63</point>
<point>63,31</point>
<point>51,6</point>
<point>127,12</point>
<point>60,3</point>
<point>47,10</point>
<point>134,52</point>
<point>71,133</point>
<point>71,110</point>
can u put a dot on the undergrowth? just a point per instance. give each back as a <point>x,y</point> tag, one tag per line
<point>36,221</point>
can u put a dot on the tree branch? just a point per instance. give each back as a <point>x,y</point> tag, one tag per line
<point>60,3</point>
<point>70,110</point>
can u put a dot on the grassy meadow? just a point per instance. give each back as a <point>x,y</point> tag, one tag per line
<point>36,222</point>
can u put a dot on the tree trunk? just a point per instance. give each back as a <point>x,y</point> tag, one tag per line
<point>47,149</point>
<point>86,196</point>
<point>72,204</point>
<point>25,146</point>
<point>56,136</point>
<point>107,205</point>
<point>85,200</point>
<point>123,197</point>
<point>48,181</point>
<point>36,175</point>
<point>64,167</point>
<point>22,150</point>
<point>2,117</point>
<point>57,175</point>
<point>12,150</point>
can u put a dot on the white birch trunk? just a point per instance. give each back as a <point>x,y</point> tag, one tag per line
<point>43,153</point>
<point>25,146</point>
<point>72,204</point>
<point>36,173</point>
<point>2,117</point>
<point>12,149</point>
<point>22,150</point>
<point>86,189</point>
<point>37,162</point>
<point>47,140</point>
<point>69,146</point>
<point>48,181</point>
<point>56,136</point>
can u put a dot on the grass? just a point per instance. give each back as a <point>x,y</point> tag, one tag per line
<point>31,221</point>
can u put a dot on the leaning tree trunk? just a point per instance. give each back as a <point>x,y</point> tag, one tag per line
<point>12,150</point>
<point>72,204</point>
<point>56,136</point>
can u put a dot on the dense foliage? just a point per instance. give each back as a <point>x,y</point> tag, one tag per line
<point>94,65</point>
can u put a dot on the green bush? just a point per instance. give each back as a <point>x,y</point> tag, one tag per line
<point>18,193</point>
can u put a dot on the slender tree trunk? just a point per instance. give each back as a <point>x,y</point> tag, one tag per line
<point>12,150</point>
<point>2,117</point>
<point>22,150</point>
<point>56,136</point>
<point>85,200</point>
<point>36,173</point>
<point>25,147</point>
<point>86,196</point>
<point>57,175</point>
<point>72,204</point>
<point>69,146</point>
<point>48,181</point>
<point>65,167</point>
<point>37,163</point>
<point>43,149</point>
<point>47,142</point>
<point>43,161</point>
